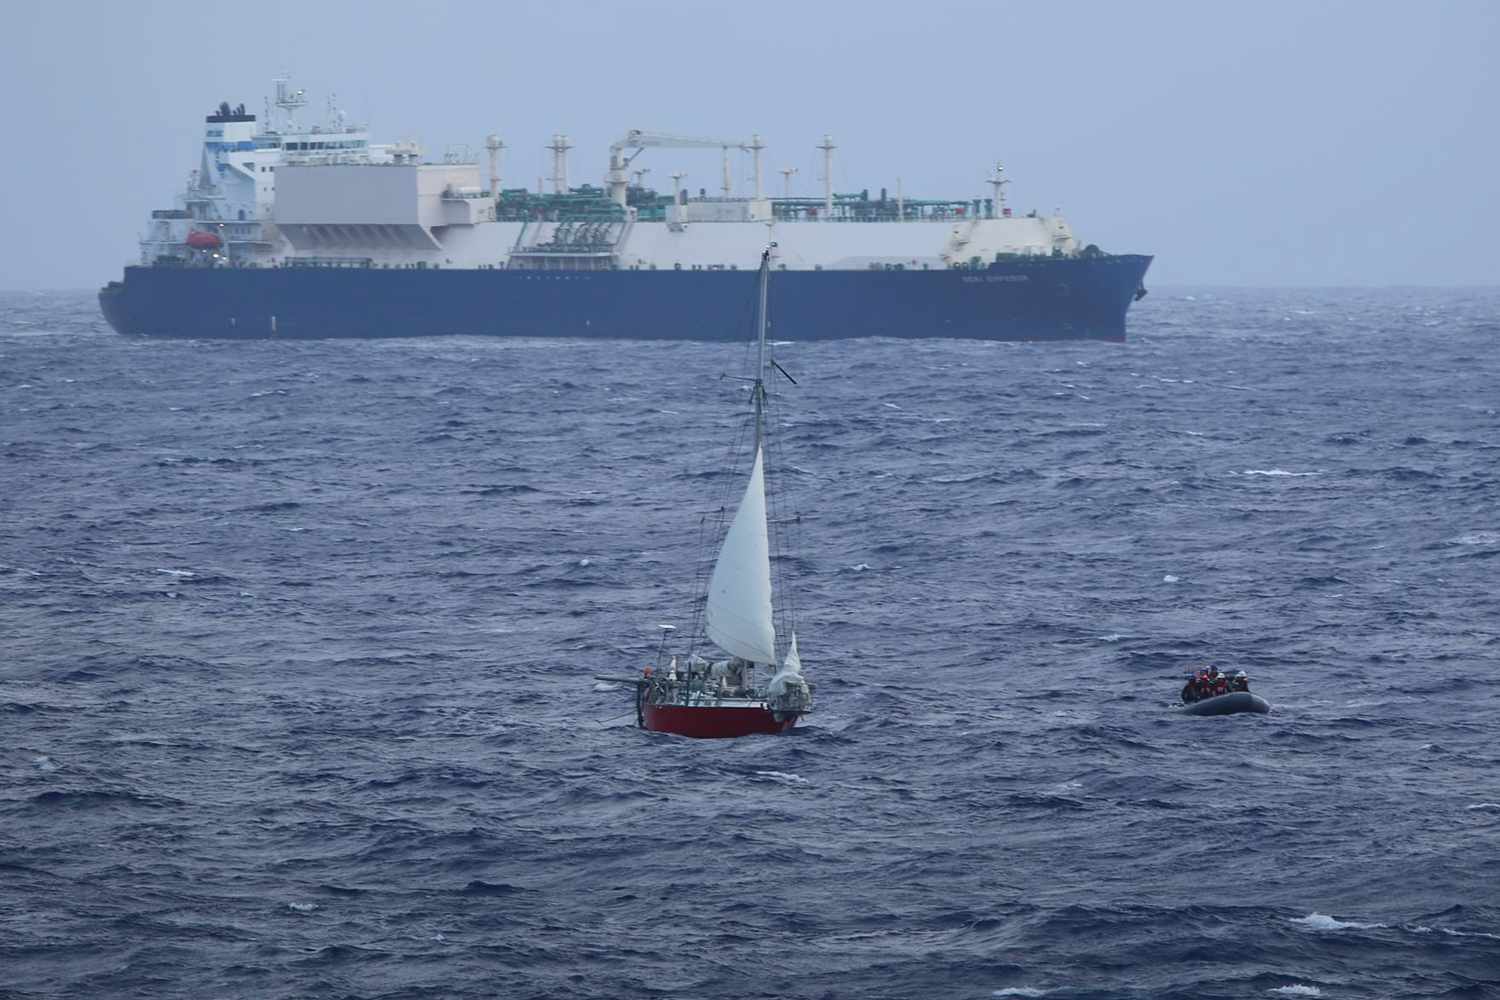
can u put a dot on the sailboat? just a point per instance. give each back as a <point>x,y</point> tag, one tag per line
<point>749,689</point>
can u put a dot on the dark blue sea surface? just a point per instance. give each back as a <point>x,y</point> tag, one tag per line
<point>297,696</point>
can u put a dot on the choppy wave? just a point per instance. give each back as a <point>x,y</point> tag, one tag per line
<point>302,639</point>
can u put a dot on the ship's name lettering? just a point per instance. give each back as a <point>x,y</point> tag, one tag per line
<point>996,277</point>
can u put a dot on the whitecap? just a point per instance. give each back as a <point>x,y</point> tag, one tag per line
<point>303,907</point>
<point>178,572</point>
<point>1478,538</point>
<point>1112,637</point>
<point>606,686</point>
<point>892,406</point>
<point>782,776</point>
<point>585,562</point>
<point>1018,991</point>
<point>860,567</point>
<point>1323,922</point>
<point>1275,472</point>
<point>1297,990</point>
<point>1485,805</point>
<point>1479,934</point>
<point>1424,929</point>
<point>1169,578</point>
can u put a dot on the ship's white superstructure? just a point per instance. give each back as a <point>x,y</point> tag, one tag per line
<point>276,193</point>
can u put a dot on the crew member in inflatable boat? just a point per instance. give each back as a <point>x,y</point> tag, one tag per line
<point>1209,683</point>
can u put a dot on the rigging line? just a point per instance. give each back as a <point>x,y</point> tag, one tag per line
<point>780,535</point>
<point>709,544</point>
<point>712,527</point>
<point>783,613</point>
<point>726,486</point>
<point>699,584</point>
<point>781,526</point>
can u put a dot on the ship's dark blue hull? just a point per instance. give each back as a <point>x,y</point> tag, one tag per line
<point>1028,299</point>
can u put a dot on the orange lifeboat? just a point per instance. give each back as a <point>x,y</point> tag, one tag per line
<point>200,240</point>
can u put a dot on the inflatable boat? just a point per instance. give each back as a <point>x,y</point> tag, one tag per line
<point>1227,704</point>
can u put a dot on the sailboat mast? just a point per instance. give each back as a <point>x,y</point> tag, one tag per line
<point>760,354</point>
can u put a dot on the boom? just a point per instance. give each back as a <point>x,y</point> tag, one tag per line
<point>638,141</point>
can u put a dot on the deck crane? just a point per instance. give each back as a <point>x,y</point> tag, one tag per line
<point>638,141</point>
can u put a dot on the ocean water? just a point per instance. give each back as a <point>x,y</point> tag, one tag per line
<point>297,696</point>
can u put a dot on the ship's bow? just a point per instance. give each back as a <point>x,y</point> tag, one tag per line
<point>112,305</point>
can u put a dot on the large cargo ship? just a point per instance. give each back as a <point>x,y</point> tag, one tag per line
<point>290,230</point>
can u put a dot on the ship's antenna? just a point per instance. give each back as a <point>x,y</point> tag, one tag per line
<point>559,149</point>
<point>494,145</point>
<point>998,182</point>
<point>827,147</point>
<point>289,100</point>
<point>755,147</point>
<point>677,188</point>
<point>786,175</point>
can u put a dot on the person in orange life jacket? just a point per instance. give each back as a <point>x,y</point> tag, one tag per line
<point>1209,677</point>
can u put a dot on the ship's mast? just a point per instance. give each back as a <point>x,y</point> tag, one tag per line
<point>760,351</point>
<point>827,147</point>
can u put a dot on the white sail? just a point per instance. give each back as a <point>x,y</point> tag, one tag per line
<point>739,592</point>
<point>793,663</point>
<point>790,674</point>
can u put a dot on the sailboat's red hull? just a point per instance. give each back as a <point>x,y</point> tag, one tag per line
<point>710,723</point>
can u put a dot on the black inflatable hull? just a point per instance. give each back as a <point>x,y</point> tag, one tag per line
<point>1229,704</point>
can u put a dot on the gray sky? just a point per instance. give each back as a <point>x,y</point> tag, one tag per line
<point>1257,143</point>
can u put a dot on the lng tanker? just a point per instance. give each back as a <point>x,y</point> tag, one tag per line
<point>294,230</point>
